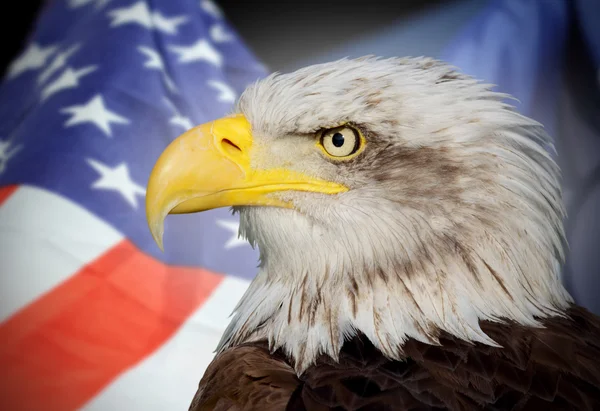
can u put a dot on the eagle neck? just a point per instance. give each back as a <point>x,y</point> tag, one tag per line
<point>312,313</point>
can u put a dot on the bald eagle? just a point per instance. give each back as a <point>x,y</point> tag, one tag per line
<point>409,222</point>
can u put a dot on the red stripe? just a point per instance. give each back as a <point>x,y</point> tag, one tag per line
<point>6,192</point>
<point>62,349</point>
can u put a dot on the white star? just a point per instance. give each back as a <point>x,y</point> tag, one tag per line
<point>6,153</point>
<point>139,13</point>
<point>75,4</point>
<point>200,50</point>
<point>31,59</point>
<point>117,179</point>
<point>155,62</point>
<point>178,119</point>
<point>94,111</point>
<point>59,61</point>
<point>68,79</point>
<point>219,35</point>
<point>167,24</point>
<point>211,8</point>
<point>226,93</point>
<point>235,240</point>
<point>101,3</point>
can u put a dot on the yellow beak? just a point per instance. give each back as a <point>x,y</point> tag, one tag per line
<point>209,167</point>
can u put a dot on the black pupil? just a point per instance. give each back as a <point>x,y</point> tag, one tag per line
<point>338,139</point>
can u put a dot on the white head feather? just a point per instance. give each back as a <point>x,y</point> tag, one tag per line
<point>454,213</point>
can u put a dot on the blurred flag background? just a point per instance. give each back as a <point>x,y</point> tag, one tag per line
<point>92,315</point>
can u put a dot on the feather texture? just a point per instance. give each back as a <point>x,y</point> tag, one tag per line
<point>555,367</point>
<point>433,282</point>
<point>453,214</point>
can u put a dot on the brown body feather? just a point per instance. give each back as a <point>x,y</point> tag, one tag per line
<point>551,368</point>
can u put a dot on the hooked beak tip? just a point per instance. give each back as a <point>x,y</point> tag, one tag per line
<point>157,230</point>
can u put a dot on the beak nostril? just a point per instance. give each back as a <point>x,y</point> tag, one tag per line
<point>230,147</point>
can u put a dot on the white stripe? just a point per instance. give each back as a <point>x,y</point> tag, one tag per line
<point>168,379</point>
<point>219,306</point>
<point>44,239</point>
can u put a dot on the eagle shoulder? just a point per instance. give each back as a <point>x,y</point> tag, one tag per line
<point>555,367</point>
<point>246,377</point>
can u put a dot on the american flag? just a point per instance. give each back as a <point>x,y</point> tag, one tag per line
<point>92,315</point>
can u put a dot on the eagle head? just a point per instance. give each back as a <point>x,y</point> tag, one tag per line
<point>393,197</point>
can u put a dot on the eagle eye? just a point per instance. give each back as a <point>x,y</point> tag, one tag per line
<point>340,142</point>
